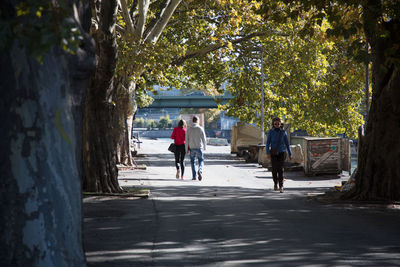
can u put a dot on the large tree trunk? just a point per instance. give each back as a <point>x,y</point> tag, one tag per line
<point>40,137</point>
<point>378,176</point>
<point>100,121</point>
<point>103,129</point>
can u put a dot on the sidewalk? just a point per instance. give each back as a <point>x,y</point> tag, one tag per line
<point>221,169</point>
<point>232,218</point>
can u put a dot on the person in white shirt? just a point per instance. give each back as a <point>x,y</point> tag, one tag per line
<point>195,142</point>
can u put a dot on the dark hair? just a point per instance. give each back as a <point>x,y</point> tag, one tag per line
<point>181,123</point>
<point>195,118</point>
<point>274,120</point>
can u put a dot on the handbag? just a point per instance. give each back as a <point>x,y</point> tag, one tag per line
<point>172,147</point>
<point>273,151</point>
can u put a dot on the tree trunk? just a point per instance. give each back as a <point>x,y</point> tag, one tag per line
<point>125,108</point>
<point>40,137</point>
<point>378,176</point>
<point>100,121</point>
<point>125,145</point>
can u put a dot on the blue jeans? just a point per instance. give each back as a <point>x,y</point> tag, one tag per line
<point>196,153</point>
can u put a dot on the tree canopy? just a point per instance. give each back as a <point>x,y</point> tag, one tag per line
<point>309,78</point>
<point>370,31</point>
<point>314,55</point>
<point>39,25</point>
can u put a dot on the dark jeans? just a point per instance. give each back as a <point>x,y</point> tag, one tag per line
<point>180,158</point>
<point>277,168</point>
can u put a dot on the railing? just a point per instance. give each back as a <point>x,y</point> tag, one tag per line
<point>193,101</point>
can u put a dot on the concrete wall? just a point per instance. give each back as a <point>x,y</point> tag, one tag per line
<point>166,133</point>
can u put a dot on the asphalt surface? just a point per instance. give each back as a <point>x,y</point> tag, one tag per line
<point>233,218</point>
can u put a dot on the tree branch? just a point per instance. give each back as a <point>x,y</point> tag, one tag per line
<point>140,23</point>
<point>165,16</point>
<point>120,29</point>
<point>127,17</point>
<point>214,47</point>
<point>161,6</point>
<point>133,8</point>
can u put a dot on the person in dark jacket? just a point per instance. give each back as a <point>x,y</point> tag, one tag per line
<point>277,144</point>
<point>179,135</point>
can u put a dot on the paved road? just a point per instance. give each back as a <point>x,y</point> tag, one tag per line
<point>233,218</point>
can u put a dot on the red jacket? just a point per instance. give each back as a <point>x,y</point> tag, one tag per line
<point>178,134</point>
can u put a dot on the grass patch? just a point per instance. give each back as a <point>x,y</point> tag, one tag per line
<point>127,192</point>
<point>136,190</point>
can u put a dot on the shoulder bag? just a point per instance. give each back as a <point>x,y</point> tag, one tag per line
<point>172,147</point>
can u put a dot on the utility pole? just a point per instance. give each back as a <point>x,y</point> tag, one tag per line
<point>260,49</point>
<point>262,97</point>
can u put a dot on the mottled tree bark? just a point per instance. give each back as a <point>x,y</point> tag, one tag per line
<point>126,105</point>
<point>40,159</point>
<point>100,119</point>
<point>105,131</point>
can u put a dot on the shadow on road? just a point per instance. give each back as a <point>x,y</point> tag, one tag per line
<point>160,160</point>
<point>228,226</point>
<point>186,223</point>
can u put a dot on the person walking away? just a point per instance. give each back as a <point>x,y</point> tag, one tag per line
<point>179,136</point>
<point>277,143</point>
<point>195,142</point>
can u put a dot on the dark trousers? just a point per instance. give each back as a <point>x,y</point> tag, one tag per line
<point>277,168</point>
<point>180,158</point>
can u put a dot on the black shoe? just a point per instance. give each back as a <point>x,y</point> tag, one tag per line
<point>200,177</point>
<point>193,178</point>
<point>275,187</point>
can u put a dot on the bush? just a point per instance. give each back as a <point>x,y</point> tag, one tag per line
<point>164,122</point>
<point>150,124</point>
<point>139,123</point>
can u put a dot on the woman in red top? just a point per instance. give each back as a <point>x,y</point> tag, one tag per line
<point>178,134</point>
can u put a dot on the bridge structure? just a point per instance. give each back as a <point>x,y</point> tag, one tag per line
<point>189,101</point>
